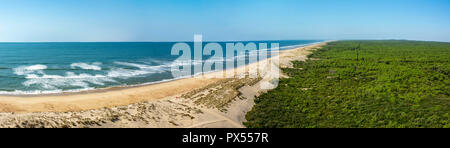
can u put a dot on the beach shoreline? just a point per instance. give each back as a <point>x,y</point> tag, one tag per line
<point>121,87</point>
<point>111,97</point>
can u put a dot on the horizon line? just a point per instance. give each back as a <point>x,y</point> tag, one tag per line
<point>160,41</point>
<point>221,41</point>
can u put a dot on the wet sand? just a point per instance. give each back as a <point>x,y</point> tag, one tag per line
<point>190,102</point>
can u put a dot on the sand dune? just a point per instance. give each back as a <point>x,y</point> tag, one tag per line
<point>190,102</point>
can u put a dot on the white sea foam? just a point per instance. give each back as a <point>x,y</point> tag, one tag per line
<point>36,67</point>
<point>38,92</point>
<point>49,83</point>
<point>93,66</point>
<point>36,76</point>
<point>142,70</point>
<point>70,79</point>
<point>125,73</point>
<point>34,92</point>
<point>23,70</point>
<point>158,68</point>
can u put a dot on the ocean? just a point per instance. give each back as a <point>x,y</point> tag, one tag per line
<point>48,68</point>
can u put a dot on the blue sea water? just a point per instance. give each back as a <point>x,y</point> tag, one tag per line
<point>44,68</point>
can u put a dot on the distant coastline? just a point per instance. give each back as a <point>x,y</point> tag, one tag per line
<point>88,75</point>
<point>107,97</point>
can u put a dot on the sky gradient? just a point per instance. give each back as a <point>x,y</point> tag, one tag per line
<point>222,20</point>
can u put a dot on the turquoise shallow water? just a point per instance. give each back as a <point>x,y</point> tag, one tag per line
<point>44,68</point>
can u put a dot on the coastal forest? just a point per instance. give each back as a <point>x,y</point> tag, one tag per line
<point>361,84</point>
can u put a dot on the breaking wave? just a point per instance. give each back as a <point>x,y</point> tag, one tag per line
<point>36,76</point>
<point>51,78</point>
<point>93,66</point>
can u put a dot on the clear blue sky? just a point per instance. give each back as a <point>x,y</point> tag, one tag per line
<point>177,20</point>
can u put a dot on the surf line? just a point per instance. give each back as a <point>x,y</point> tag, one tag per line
<point>239,53</point>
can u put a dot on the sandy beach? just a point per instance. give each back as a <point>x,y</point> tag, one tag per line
<point>189,102</point>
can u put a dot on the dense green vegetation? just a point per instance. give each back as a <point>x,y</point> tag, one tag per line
<point>380,84</point>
